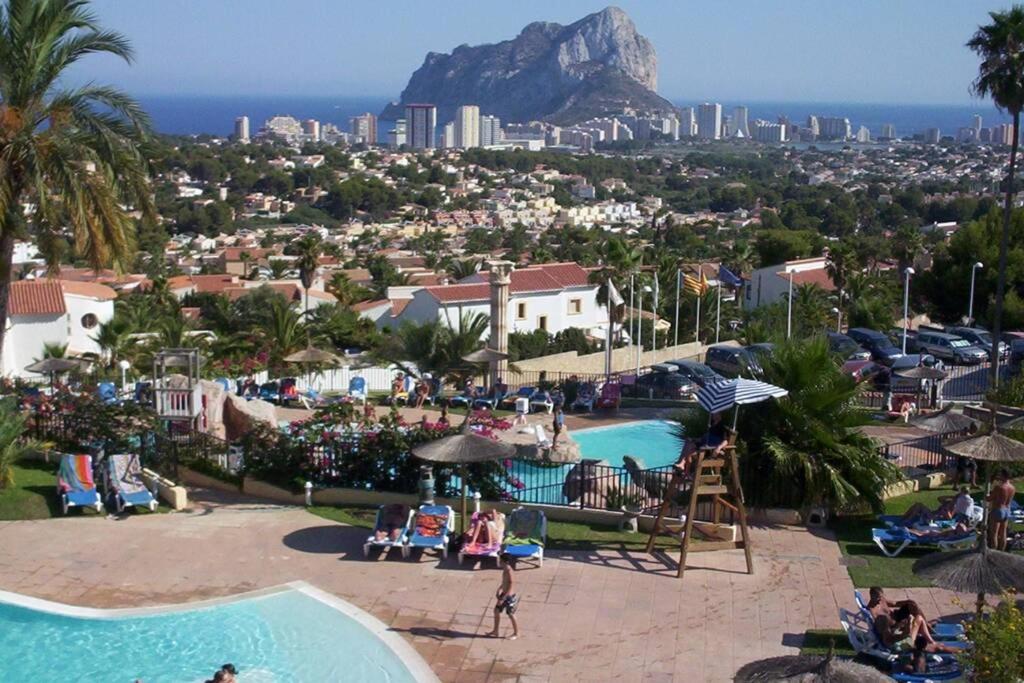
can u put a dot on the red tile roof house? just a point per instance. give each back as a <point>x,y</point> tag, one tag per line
<point>53,312</point>
<point>771,283</point>
<point>551,297</point>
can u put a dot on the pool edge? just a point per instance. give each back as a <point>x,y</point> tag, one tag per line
<point>406,653</point>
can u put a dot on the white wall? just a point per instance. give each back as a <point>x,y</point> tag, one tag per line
<point>26,335</point>
<point>766,286</point>
<point>80,338</point>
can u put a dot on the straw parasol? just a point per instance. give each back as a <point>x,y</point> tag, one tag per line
<point>993,447</point>
<point>55,366</point>
<point>485,355</point>
<point>978,570</point>
<point>312,356</point>
<point>944,421</point>
<point>808,669</point>
<point>463,449</point>
<point>922,372</point>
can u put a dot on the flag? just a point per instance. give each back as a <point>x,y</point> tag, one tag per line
<point>692,284</point>
<point>728,278</point>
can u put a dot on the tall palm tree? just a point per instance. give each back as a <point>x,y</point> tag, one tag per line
<point>113,339</point>
<point>286,332</point>
<point>75,153</point>
<point>1000,45</point>
<point>308,261</point>
<point>346,291</point>
<point>278,268</point>
<point>460,269</point>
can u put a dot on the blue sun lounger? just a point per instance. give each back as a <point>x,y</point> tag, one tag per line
<point>861,634</point>
<point>124,480</point>
<point>895,540</point>
<point>391,517</point>
<point>75,484</point>
<point>525,535</point>
<point>429,528</point>
<point>940,630</point>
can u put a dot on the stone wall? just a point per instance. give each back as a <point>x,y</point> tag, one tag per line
<point>623,359</point>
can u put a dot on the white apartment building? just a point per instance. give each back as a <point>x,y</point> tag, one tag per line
<point>490,130</point>
<point>551,297</point>
<point>709,121</point>
<point>242,129</point>
<point>467,126</point>
<point>771,283</point>
<point>766,131</point>
<point>687,123</point>
<point>421,124</point>
<point>740,128</point>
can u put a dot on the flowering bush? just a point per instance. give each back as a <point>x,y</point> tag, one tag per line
<point>998,640</point>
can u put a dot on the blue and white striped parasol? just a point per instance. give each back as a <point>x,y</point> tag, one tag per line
<point>720,396</point>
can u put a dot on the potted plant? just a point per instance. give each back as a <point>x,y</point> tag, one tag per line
<point>629,504</point>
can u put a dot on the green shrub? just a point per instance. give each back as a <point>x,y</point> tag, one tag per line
<point>998,652</point>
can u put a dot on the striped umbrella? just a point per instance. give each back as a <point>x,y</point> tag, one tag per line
<point>720,396</point>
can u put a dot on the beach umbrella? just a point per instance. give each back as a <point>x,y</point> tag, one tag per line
<point>921,372</point>
<point>484,355</point>
<point>55,366</point>
<point>313,356</point>
<point>463,449</point>
<point>808,669</point>
<point>730,393</point>
<point>944,421</point>
<point>993,447</point>
<point>978,570</point>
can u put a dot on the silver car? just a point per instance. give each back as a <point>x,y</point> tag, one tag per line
<point>950,348</point>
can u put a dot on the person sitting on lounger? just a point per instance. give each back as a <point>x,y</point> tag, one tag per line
<point>392,523</point>
<point>901,625</point>
<point>422,392</point>
<point>920,514</point>
<point>958,529</point>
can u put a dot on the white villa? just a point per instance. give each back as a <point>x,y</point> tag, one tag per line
<point>771,283</point>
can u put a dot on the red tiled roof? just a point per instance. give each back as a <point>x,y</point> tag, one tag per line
<point>398,305</point>
<point>36,297</point>
<point>467,292</point>
<point>819,277</point>
<point>369,305</point>
<point>550,277</point>
<point>567,274</point>
<point>92,290</point>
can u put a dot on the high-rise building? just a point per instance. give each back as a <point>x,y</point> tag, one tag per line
<point>1002,134</point>
<point>834,128</point>
<point>863,134</point>
<point>976,122</point>
<point>421,124</point>
<point>813,125</point>
<point>364,128</point>
<point>448,136</point>
<point>242,129</point>
<point>765,131</point>
<point>888,132</point>
<point>985,135</point>
<point>740,127</point>
<point>490,130</point>
<point>709,121</point>
<point>286,127</point>
<point>932,136</point>
<point>467,126</point>
<point>687,123</point>
<point>311,128</point>
<point>397,136</point>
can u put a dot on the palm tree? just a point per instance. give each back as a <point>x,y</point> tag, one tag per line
<point>286,332</point>
<point>246,258</point>
<point>437,347</point>
<point>278,268</point>
<point>1001,77</point>
<point>460,269</point>
<point>346,291</point>
<point>76,153</point>
<point>309,248</point>
<point>54,350</point>
<point>113,338</point>
<point>906,245</point>
<point>13,444</point>
<point>810,309</point>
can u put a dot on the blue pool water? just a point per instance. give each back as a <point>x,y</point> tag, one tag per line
<point>284,636</point>
<point>650,441</point>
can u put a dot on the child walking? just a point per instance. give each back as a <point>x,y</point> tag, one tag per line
<point>507,600</point>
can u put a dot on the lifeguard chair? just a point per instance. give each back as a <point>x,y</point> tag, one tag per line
<point>177,396</point>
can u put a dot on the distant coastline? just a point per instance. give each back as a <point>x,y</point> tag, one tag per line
<point>215,114</point>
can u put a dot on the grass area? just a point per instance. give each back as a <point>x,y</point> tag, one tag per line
<point>561,535</point>
<point>866,563</point>
<point>34,495</point>
<point>818,642</point>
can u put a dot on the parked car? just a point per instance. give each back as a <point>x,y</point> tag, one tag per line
<point>897,339</point>
<point>846,348</point>
<point>733,361</point>
<point>761,351</point>
<point>698,373</point>
<point>879,345</point>
<point>867,371</point>
<point>949,347</point>
<point>1016,355</point>
<point>980,338</point>
<point>662,382</point>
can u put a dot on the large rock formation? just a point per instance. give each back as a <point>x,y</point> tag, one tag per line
<point>562,74</point>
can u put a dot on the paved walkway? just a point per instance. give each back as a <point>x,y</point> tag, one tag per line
<point>591,616</point>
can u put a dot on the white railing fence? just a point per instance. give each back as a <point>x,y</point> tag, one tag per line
<point>336,379</point>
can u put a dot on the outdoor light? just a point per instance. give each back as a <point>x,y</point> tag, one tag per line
<point>970,301</point>
<point>839,318</point>
<point>906,301</point>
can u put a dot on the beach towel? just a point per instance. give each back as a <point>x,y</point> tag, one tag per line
<point>431,526</point>
<point>75,474</point>
<point>484,535</point>
<point>126,479</point>
<point>525,527</point>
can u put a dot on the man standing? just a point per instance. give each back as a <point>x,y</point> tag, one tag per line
<point>999,510</point>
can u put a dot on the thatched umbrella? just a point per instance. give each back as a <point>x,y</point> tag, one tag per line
<point>944,421</point>
<point>55,366</point>
<point>312,356</point>
<point>485,355</point>
<point>978,570</point>
<point>808,669</point>
<point>922,372</point>
<point>463,449</point>
<point>992,447</point>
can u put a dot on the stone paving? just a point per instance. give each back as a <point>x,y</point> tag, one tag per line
<point>588,616</point>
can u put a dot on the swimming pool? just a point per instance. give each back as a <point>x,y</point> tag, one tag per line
<point>289,633</point>
<point>651,441</point>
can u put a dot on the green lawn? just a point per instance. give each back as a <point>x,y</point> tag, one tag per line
<point>818,641</point>
<point>561,535</point>
<point>34,495</point>
<point>866,563</point>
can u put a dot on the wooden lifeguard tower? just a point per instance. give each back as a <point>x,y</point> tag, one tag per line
<point>716,477</point>
<point>177,396</point>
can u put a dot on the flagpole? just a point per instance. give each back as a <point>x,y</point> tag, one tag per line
<point>675,327</point>
<point>718,312</point>
<point>654,309</point>
<point>632,334</point>
<point>611,331</point>
<point>639,328</point>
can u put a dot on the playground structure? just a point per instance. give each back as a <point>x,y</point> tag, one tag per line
<point>177,396</point>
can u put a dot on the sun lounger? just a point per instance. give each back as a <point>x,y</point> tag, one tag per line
<point>940,630</point>
<point>611,396</point>
<point>75,484</point>
<point>390,518</point>
<point>1016,511</point>
<point>270,392</point>
<point>584,398</point>
<point>523,392</point>
<point>861,634</point>
<point>107,392</point>
<point>543,401</point>
<point>124,480</point>
<point>429,528</point>
<point>974,516</point>
<point>357,388</point>
<point>484,537</point>
<point>526,534</point>
<point>895,540</point>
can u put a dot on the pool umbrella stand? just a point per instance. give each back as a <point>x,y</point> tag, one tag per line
<point>944,422</point>
<point>463,449</point>
<point>978,570</point>
<point>54,367</point>
<point>733,393</point>
<point>311,356</point>
<point>808,669</point>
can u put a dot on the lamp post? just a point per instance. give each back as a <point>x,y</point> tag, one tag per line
<point>124,365</point>
<point>970,302</point>
<point>839,318</point>
<point>906,304</point>
<point>639,328</point>
<point>789,309</point>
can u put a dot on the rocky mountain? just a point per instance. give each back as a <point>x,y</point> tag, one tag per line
<point>562,74</point>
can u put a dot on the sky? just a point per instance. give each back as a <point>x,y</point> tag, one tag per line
<point>885,51</point>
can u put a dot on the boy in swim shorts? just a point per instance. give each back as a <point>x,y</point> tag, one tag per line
<point>506,599</point>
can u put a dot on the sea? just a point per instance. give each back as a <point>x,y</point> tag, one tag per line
<point>215,114</point>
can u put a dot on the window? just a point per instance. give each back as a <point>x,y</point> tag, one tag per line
<point>89,321</point>
<point>575,306</point>
<point>542,322</point>
<point>521,311</point>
